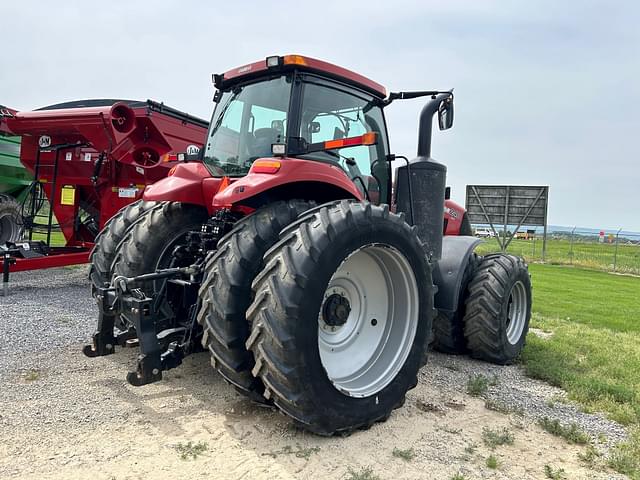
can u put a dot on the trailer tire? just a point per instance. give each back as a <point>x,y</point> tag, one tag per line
<point>108,241</point>
<point>150,242</point>
<point>448,327</point>
<point>305,290</point>
<point>226,291</point>
<point>11,222</point>
<point>498,309</point>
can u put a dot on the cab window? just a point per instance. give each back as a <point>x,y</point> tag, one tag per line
<point>330,113</point>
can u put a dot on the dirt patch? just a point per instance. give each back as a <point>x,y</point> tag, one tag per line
<point>81,419</point>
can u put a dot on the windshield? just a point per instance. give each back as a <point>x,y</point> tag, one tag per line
<point>246,121</point>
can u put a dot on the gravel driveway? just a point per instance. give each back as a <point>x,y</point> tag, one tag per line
<point>67,416</point>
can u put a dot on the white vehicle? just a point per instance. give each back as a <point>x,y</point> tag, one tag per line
<point>485,233</point>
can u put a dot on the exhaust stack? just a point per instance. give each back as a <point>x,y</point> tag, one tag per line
<point>422,200</point>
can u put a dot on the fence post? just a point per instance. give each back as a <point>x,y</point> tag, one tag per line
<point>615,252</point>
<point>571,247</point>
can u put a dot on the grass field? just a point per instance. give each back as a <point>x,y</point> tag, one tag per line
<point>594,352</point>
<point>601,256</point>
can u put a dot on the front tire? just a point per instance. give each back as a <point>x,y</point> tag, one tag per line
<point>150,242</point>
<point>226,291</point>
<point>341,316</point>
<point>108,240</point>
<point>498,309</point>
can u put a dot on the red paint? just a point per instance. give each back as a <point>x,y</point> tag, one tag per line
<point>292,170</point>
<point>189,183</point>
<point>312,64</point>
<point>50,261</point>
<point>135,141</point>
<point>453,214</point>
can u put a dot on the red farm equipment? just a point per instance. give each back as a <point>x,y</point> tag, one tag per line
<point>286,253</point>
<point>89,159</point>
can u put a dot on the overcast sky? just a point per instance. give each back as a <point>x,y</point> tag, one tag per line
<point>547,92</point>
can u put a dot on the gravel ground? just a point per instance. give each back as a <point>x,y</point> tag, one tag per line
<point>45,310</point>
<point>52,394</point>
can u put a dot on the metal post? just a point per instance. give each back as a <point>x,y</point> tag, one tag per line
<point>5,273</point>
<point>615,253</point>
<point>544,238</point>
<point>571,247</point>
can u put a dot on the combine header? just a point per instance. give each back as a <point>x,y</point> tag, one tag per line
<point>89,159</point>
<point>287,254</point>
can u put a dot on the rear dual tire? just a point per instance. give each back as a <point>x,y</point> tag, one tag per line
<point>226,291</point>
<point>315,260</point>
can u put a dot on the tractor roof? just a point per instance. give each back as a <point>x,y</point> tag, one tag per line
<point>298,62</point>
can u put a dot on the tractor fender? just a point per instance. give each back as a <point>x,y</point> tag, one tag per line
<point>291,172</point>
<point>449,270</point>
<point>185,184</point>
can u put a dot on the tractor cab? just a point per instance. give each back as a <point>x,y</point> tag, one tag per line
<point>292,107</point>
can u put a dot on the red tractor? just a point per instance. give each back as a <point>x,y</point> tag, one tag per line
<point>286,254</point>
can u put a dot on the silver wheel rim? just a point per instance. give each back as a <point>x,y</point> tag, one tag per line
<point>517,312</point>
<point>365,353</point>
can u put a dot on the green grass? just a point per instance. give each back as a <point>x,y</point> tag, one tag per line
<point>594,351</point>
<point>589,254</point>
<point>571,433</point>
<point>57,238</point>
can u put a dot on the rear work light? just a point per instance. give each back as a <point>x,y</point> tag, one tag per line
<point>266,166</point>
<point>273,62</point>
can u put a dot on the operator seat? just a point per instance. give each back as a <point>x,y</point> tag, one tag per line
<point>263,139</point>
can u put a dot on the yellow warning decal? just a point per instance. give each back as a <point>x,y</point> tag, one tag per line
<point>68,195</point>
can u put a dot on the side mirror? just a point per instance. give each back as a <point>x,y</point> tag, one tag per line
<point>445,114</point>
<point>314,127</point>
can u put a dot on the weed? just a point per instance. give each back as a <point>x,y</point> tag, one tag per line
<point>191,450</point>
<point>299,451</point>
<point>500,407</point>
<point>32,375</point>
<point>492,462</point>
<point>477,385</point>
<point>625,457</point>
<point>553,474</point>
<point>495,438</point>
<point>471,448</point>
<point>453,431</point>
<point>590,456</point>
<point>408,454</point>
<point>571,433</point>
<point>365,473</point>
<point>458,476</point>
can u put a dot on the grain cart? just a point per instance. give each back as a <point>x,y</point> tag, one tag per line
<point>282,254</point>
<point>90,159</point>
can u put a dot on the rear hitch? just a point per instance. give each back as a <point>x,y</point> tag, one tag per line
<point>159,351</point>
